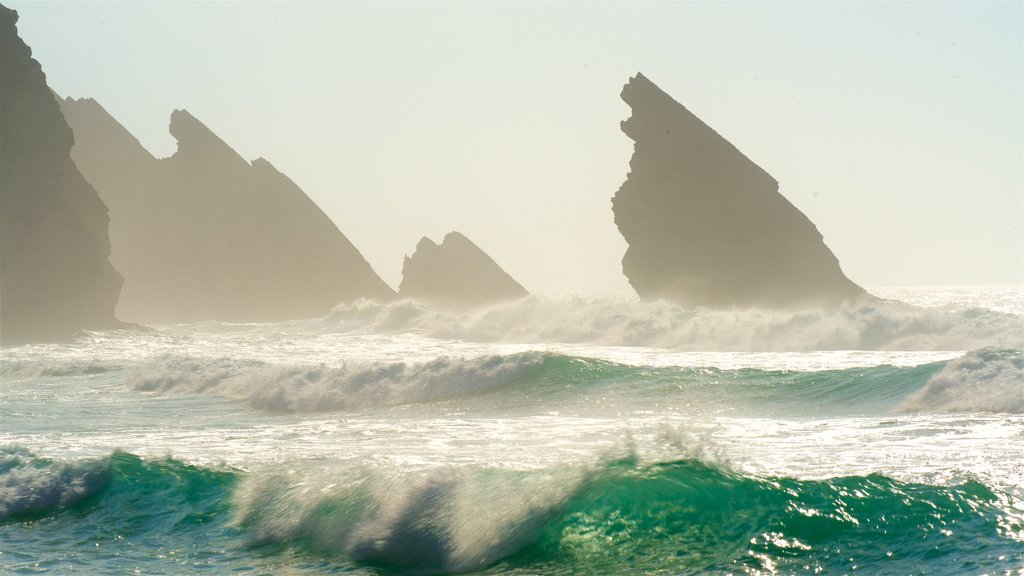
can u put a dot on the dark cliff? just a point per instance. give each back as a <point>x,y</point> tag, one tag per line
<point>55,277</point>
<point>206,235</point>
<point>708,227</point>
<point>455,275</point>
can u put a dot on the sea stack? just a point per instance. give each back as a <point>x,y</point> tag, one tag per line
<point>708,227</point>
<point>206,235</point>
<point>455,276</point>
<point>55,277</point>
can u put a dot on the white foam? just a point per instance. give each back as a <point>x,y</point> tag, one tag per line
<point>53,368</point>
<point>439,519</point>
<point>312,388</point>
<point>984,380</point>
<point>31,485</point>
<point>884,325</point>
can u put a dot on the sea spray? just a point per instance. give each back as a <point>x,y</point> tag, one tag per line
<point>595,459</point>
<point>30,485</point>
<point>298,388</point>
<point>623,514</point>
<point>545,381</point>
<point>619,515</point>
<point>882,325</point>
<point>438,519</point>
<point>984,380</point>
<point>662,517</point>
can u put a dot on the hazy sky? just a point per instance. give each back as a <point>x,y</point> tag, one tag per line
<point>898,128</point>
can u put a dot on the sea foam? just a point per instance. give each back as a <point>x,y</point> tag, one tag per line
<point>618,513</point>
<point>609,321</point>
<point>983,380</point>
<point>308,388</point>
<point>33,485</point>
<point>440,519</point>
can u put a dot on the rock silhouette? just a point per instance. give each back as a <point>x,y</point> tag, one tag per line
<point>55,277</point>
<point>708,227</point>
<point>206,235</point>
<point>455,275</point>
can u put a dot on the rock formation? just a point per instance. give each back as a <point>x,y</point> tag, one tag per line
<point>205,235</point>
<point>55,278</point>
<point>455,275</point>
<point>708,227</point>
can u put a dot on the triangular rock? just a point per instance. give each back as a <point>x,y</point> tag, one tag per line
<point>708,227</point>
<point>455,275</point>
<point>205,235</point>
<point>55,278</point>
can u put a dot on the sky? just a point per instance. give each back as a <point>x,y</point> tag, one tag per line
<point>897,128</point>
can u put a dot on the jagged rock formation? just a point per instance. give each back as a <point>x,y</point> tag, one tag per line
<point>205,235</point>
<point>55,278</point>
<point>708,227</point>
<point>455,275</point>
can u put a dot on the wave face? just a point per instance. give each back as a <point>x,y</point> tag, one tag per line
<point>30,485</point>
<point>33,486</point>
<point>298,388</point>
<point>624,516</point>
<point>114,515</point>
<point>986,380</point>
<point>523,439</point>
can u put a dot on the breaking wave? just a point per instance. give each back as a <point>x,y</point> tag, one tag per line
<point>30,485</point>
<point>882,325</point>
<point>54,368</point>
<point>678,517</point>
<point>984,380</point>
<point>988,380</point>
<point>291,388</point>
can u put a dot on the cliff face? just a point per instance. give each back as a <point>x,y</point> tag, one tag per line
<point>455,275</point>
<point>205,235</point>
<point>55,278</point>
<point>708,227</point>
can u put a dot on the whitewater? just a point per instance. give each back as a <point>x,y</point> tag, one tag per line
<point>547,436</point>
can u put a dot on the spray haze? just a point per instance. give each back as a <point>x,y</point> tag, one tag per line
<point>417,120</point>
<point>205,235</point>
<point>691,382</point>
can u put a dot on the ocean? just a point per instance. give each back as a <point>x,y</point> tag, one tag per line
<point>549,436</point>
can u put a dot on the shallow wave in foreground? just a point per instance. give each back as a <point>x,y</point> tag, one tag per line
<point>32,485</point>
<point>672,517</point>
<point>524,444</point>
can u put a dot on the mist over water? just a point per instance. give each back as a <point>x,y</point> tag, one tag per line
<point>592,434</point>
<point>281,409</point>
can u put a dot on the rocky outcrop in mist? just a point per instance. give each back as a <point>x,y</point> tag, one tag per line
<point>708,227</point>
<point>455,275</point>
<point>206,235</point>
<point>55,278</point>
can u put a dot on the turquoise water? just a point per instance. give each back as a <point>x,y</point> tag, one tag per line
<point>391,440</point>
<point>684,517</point>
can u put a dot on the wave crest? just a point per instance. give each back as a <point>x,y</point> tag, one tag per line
<point>441,519</point>
<point>53,368</point>
<point>882,325</point>
<point>546,381</point>
<point>619,514</point>
<point>32,485</point>
<point>287,389</point>
<point>984,380</point>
